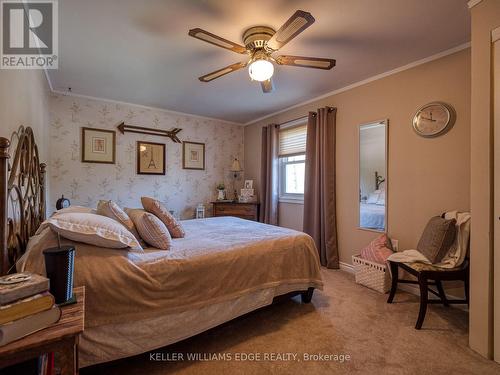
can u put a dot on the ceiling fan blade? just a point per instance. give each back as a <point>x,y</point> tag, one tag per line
<point>306,62</point>
<point>221,72</point>
<point>216,40</point>
<point>295,25</point>
<point>267,86</point>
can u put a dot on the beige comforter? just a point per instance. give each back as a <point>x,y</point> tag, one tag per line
<point>218,260</point>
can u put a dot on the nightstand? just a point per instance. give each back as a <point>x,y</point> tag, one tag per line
<point>249,211</point>
<point>62,337</point>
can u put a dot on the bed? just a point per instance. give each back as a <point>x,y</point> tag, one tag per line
<point>371,215</point>
<point>138,301</point>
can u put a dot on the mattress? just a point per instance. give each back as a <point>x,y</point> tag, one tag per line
<point>221,262</point>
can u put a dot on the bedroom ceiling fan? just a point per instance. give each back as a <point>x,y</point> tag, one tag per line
<point>261,42</point>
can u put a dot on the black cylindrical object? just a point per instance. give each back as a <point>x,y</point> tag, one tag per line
<point>59,264</point>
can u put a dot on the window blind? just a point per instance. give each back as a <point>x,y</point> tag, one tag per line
<point>292,141</point>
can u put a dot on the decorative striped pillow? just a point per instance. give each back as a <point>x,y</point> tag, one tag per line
<point>151,229</point>
<point>378,250</point>
<point>155,207</point>
<point>113,211</point>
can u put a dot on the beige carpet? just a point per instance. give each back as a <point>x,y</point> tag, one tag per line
<point>345,318</point>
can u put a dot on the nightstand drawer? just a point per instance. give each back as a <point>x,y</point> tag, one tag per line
<point>249,211</point>
<point>234,209</point>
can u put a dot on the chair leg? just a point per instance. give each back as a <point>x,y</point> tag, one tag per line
<point>422,282</point>
<point>307,295</point>
<point>394,283</point>
<point>442,295</point>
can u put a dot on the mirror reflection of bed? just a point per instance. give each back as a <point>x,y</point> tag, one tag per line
<point>373,175</point>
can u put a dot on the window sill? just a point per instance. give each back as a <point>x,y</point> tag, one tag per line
<point>291,200</point>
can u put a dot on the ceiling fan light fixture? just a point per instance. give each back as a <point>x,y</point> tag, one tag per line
<point>261,70</point>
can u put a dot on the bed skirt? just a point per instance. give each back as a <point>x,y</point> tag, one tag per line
<point>114,341</point>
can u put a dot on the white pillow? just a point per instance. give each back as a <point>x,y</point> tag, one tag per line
<point>75,209</point>
<point>373,197</point>
<point>92,229</point>
<point>381,198</point>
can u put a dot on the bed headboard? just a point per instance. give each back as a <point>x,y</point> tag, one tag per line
<point>22,194</point>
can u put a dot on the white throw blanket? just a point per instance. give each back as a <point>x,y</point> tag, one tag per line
<point>455,255</point>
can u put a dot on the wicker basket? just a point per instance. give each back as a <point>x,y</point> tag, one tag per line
<point>373,275</point>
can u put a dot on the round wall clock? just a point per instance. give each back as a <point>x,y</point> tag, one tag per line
<point>434,119</point>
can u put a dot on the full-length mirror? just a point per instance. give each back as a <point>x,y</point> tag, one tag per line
<point>373,176</point>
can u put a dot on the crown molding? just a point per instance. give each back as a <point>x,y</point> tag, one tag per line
<point>46,71</point>
<point>414,64</point>
<point>66,93</point>
<point>72,94</point>
<point>472,3</point>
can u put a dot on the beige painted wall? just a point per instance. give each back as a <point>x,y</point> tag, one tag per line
<point>24,100</point>
<point>496,256</point>
<point>426,176</point>
<point>291,215</point>
<point>485,18</point>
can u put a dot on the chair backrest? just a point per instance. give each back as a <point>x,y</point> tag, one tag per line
<point>466,262</point>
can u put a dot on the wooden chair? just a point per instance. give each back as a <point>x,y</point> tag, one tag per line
<point>430,275</point>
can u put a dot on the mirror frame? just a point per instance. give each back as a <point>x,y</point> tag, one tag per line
<point>386,123</point>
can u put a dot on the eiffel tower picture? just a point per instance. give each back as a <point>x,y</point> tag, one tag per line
<point>150,158</point>
<point>152,164</point>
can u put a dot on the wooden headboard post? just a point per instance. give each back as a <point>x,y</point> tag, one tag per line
<point>4,174</point>
<point>22,195</point>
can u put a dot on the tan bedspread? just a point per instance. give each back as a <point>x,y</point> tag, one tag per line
<point>219,259</point>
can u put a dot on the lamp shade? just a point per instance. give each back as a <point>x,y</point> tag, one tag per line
<point>261,70</point>
<point>235,167</point>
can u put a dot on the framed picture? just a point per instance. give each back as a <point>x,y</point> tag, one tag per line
<point>98,146</point>
<point>248,184</point>
<point>193,155</point>
<point>150,158</point>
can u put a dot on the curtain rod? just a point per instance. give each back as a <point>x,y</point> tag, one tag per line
<point>294,120</point>
<point>303,117</point>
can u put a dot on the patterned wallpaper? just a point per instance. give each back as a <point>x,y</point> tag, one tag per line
<point>180,189</point>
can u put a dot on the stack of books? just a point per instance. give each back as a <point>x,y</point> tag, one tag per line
<point>26,306</point>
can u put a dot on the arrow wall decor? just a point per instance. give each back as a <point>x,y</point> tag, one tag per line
<point>172,134</point>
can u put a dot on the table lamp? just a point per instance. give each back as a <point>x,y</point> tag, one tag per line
<point>236,169</point>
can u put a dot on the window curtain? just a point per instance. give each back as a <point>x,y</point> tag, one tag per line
<point>320,220</point>
<point>269,175</point>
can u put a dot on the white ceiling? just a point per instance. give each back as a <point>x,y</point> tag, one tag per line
<point>139,51</point>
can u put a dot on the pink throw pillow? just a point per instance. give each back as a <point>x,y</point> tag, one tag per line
<point>378,250</point>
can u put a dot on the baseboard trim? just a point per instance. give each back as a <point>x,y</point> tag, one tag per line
<point>346,267</point>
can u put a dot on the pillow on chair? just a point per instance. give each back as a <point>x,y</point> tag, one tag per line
<point>437,238</point>
<point>378,250</point>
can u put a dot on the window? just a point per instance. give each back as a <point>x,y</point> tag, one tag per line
<point>292,158</point>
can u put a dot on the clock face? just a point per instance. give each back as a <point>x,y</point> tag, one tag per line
<point>433,119</point>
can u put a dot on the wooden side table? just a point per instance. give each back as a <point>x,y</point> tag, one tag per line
<point>249,211</point>
<point>62,337</point>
